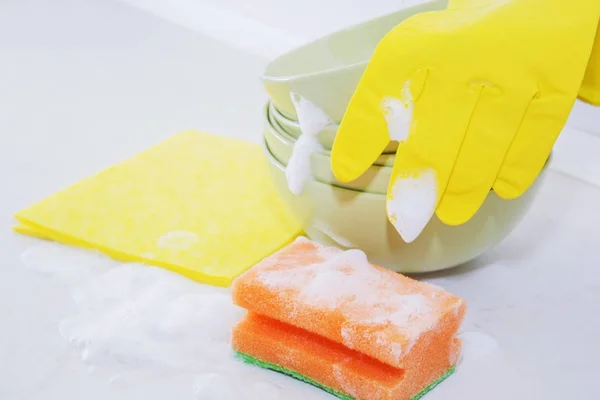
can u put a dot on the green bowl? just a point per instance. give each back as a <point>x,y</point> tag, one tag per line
<point>374,180</point>
<point>283,142</point>
<point>346,218</point>
<point>327,71</point>
<point>326,136</point>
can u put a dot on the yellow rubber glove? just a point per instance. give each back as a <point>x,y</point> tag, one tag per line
<point>476,95</point>
<point>590,89</point>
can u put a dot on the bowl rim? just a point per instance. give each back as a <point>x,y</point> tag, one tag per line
<point>274,111</point>
<point>282,167</point>
<point>284,136</point>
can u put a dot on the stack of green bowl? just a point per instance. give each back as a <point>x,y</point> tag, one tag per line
<point>353,214</point>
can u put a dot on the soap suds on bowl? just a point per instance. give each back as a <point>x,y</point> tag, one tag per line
<point>312,120</point>
<point>135,323</point>
<point>411,203</point>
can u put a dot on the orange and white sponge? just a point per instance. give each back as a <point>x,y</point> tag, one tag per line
<point>359,331</point>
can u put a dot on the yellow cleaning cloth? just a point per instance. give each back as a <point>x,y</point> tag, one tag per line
<point>197,204</point>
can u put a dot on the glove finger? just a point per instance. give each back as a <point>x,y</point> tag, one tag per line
<point>494,125</point>
<point>383,100</point>
<point>590,88</point>
<point>424,163</point>
<point>527,155</point>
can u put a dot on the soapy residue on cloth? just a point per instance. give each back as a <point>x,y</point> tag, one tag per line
<point>177,240</point>
<point>312,120</point>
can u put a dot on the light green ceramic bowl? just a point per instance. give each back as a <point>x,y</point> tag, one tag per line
<point>283,143</point>
<point>374,180</point>
<point>351,219</point>
<point>327,71</point>
<point>326,136</point>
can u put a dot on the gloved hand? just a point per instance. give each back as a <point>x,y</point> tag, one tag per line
<point>476,95</point>
<point>590,89</point>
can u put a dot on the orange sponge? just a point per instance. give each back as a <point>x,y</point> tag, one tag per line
<point>332,319</point>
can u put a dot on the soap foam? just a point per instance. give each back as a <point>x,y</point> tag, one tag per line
<point>140,315</point>
<point>312,120</point>
<point>411,203</point>
<point>412,200</point>
<point>348,283</point>
<point>137,323</point>
<point>298,170</point>
<point>398,114</point>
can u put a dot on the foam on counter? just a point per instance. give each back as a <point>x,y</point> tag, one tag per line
<point>134,323</point>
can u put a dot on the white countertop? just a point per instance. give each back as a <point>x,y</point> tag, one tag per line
<point>86,83</point>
